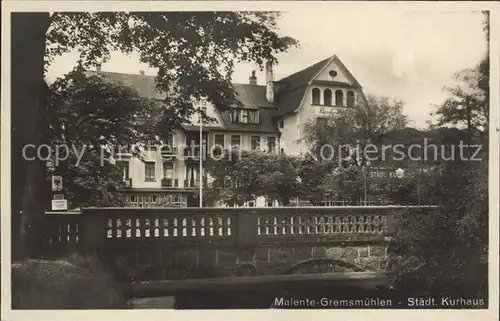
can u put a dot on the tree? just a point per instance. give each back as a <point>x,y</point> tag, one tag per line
<point>446,248</point>
<point>443,254</point>
<point>311,173</point>
<point>89,119</point>
<point>356,127</point>
<point>468,105</point>
<point>244,176</point>
<point>348,132</point>
<point>187,48</point>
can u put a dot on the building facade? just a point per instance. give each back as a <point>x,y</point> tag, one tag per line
<point>272,119</point>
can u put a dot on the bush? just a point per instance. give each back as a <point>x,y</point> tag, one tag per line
<point>78,282</point>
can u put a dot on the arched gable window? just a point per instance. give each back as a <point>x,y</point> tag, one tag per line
<point>316,96</point>
<point>327,94</point>
<point>350,98</point>
<point>339,98</point>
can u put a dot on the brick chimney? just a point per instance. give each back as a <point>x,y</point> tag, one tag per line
<point>253,79</point>
<point>141,72</point>
<point>269,82</point>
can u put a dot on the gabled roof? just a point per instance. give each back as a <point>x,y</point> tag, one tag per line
<point>266,123</point>
<point>143,84</point>
<point>252,95</point>
<point>289,93</point>
<point>294,87</point>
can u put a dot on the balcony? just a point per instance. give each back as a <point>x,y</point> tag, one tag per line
<point>168,152</point>
<point>123,155</point>
<point>195,183</point>
<point>169,182</point>
<point>193,154</point>
<point>128,182</point>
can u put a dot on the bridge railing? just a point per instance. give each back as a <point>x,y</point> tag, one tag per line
<point>191,227</point>
<point>62,232</point>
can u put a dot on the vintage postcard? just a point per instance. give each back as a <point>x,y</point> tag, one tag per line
<point>250,155</point>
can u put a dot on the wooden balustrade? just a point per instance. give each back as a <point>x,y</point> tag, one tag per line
<point>193,227</point>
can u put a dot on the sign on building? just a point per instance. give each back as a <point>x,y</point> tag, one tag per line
<point>58,196</point>
<point>386,173</point>
<point>57,183</point>
<point>59,205</point>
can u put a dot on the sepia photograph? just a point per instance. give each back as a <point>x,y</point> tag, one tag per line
<point>291,158</point>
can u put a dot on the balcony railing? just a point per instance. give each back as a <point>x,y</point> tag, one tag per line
<point>168,152</point>
<point>193,183</point>
<point>193,153</point>
<point>170,182</point>
<point>124,154</point>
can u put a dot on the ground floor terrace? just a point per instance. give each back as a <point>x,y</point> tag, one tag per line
<point>159,198</point>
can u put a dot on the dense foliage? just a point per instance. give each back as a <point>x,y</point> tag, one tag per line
<point>446,253</point>
<point>195,53</point>
<point>90,118</point>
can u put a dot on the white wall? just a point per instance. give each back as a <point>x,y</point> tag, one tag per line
<point>290,135</point>
<point>341,76</point>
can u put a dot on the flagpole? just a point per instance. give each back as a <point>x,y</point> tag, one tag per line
<point>201,157</point>
<point>364,174</point>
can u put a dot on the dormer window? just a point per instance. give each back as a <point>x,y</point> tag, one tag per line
<point>244,116</point>
<point>253,116</point>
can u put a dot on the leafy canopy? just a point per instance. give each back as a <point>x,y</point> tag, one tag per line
<point>195,52</point>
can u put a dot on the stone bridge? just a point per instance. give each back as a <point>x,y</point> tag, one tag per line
<point>148,244</point>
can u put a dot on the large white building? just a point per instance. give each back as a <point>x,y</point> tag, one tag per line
<point>273,118</point>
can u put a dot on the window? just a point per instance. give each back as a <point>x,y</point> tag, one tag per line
<point>192,175</point>
<point>350,98</point>
<point>204,109</point>
<point>315,96</point>
<point>271,144</point>
<point>249,203</point>
<point>235,116</point>
<point>282,124</point>
<point>339,98</point>
<point>168,170</point>
<point>170,140</point>
<point>327,97</point>
<point>321,122</point>
<point>235,141</point>
<point>253,116</point>
<point>255,142</point>
<point>149,171</point>
<point>244,116</point>
<point>124,167</point>
<point>219,140</point>
<point>218,144</point>
<point>268,202</point>
<point>151,146</point>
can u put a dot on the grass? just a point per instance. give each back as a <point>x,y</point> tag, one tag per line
<point>75,282</point>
